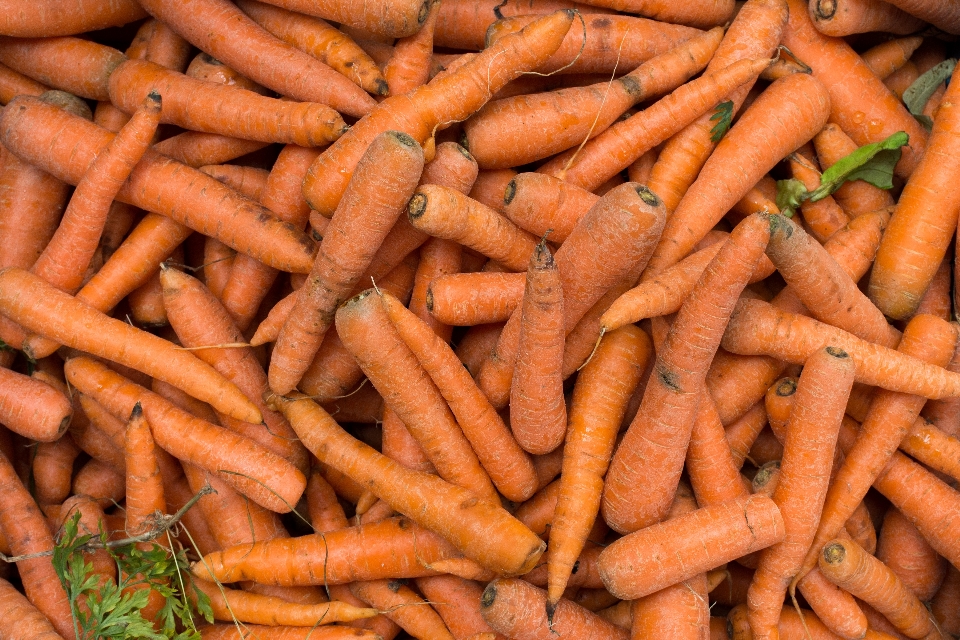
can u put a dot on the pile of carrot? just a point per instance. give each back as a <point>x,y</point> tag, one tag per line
<point>486,320</point>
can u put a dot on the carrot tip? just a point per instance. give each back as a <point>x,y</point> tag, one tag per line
<point>837,352</point>
<point>648,196</point>
<point>489,595</point>
<point>834,553</point>
<point>137,411</point>
<point>510,192</point>
<point>417,206</point>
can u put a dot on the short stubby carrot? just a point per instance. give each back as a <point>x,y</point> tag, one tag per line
<point>239,113</point>
<point>467,299</point>
<point>658,556</point>
<point>643,475</point>
<point>922,225</point>
<point>157,184</point>
<point>481,530</point>
<point>383,182</point>
<point>420,112</point>
<point>903,549</point>
<point>42,309</point>
<point>33,408</point>
<point>538,412</point>
<point>840,18</point>
<point>600,398</point>
<point>537,203</point>
<point>787,114</point>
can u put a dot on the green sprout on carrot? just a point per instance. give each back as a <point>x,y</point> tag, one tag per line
<point>872,163</point>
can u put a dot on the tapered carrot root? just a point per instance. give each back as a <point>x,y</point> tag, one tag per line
<point>513,549</point>
<point>509,466</point>
<point>645,469</point>
<point>384,180</point>
<point>422,111</point>
<point>239,113</point>
<point>381,18</point>
<point>859,102</point>
<point>658,556</point>
<point>853,569</point>
<point>157,183</point>
<point>265,477</point>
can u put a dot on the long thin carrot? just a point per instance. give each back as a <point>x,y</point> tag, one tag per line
<point>616,148</point>
<point>157,183</point>
<point>509,548</point>
<point>421,112</point>
<point>646,467</point>
<point>804,475</point>
<point>859,102</point>
<point>600,398</point>
<point>790,112</point>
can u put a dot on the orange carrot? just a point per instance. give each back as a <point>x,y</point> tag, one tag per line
<point>856,197</point>
<point>658,556</point>
<point>468,299</point>
<point>458,602</point>
<point>540,124</point>
<point>32,408</point>
<point>536,202</point>
<point>909,556</point>
<point>801,106</point>
<point>803,479</point>
<point>261,632</point>
<point>509,467</point>
<point>24,620</point>
<point>859,102</point>
<point>157,183</point>
<point>48,59</point>
<point>943,17</point>
<point>887,57</point>
<point>13,84</point>
<point>403,606</point>
<point>846,17</point>
<point>639,486</point>
<point>314,36</point>
<point>263,476</point>
<point>421,112</point>
<point>944,604</point>
<point>53,469</point>
<point>600,397</point>
<point>620,145</point>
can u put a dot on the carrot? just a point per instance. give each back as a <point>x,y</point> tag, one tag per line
<point>263,476</point>
<point>665,293</point>
<point>153,355</point>
<point>32,408</point>
<point>647,465</point>
<point>64,261</point>
<point>859,103</point>
<point>587,270</point>
<point>457,601</point>
<point>600,397</point>
<point>850,567</point>
<point>799,99</point>
<point>804,475</point>
<point>391,165</point>
<point>196,148</point>
<point>422,111</point>
<point>239,114</point>
<point>250,181</point>
<point>13,84</point>
<point>663,554</point>
<point>47,59</point>
<point>944,602</point>
<point>260,632</point>
<point>509,467</point>
<point>321,40</point>
<point>909,556</point>
<point>24,620</point>
<point>409,66</point>
<point>933,447</point>
<point>942,17</point>
<point>53,469</point>
<point>219,28</point>
<point>620,145</point>
<point>490,187</point>
<point>538,414</point>
<point>468,299</point>
<point>856,197</point>
<point>404,607</point>
<point>541,124</point>
<point>514,549</point>
<point>26,531</point>
<point>824,217</point>
<point>713,470</point>
<point>157,183</point>
<point>846,17</point>
<point>199,321</point>
<point>886,57</point>
<point>144,484</point>
<point>517,610</point>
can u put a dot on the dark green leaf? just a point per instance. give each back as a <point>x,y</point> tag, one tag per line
<point>871,163</point>
<point>790,194</point>
<point>917,95</point>
<point>723,114</point>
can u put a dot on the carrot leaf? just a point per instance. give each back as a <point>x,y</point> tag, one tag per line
<point>872,163</point>
<point>790,195</point>
<point>917,95</point>
<point>723,114</point>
